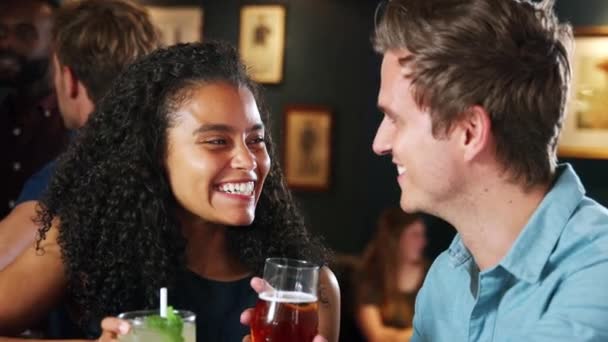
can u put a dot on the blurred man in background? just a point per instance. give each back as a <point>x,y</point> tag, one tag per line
<point>31,129</point>
<point>93,41</point>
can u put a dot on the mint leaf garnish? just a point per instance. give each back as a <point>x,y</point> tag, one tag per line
<point>171,327</point>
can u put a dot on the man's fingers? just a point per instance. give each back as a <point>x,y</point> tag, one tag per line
<point>247,339</point>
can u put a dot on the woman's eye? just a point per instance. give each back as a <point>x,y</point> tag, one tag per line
<point>215,142</point>
<point>258,140</point>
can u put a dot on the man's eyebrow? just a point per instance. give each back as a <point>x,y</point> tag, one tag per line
<point>224,128</point>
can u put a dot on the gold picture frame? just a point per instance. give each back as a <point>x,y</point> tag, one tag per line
<point>307,147</point>
<point>177,24</point>
<point>585,127</point>
<point>262,41</point>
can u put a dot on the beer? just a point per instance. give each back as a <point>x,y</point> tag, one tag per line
<point>285,316</point>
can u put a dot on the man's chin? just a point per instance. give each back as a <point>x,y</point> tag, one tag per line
<point>406,205</point>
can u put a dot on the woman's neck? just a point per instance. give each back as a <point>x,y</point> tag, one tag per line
<point>410,276</point>
<point>207,252</point>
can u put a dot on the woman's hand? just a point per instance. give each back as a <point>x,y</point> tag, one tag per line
<point>112,327</point>
<point>258,285</point>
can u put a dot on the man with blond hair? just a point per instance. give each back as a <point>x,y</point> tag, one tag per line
<point>473,94</point>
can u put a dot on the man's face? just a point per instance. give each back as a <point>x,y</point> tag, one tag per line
<point>25,29</point>
<point>428,169</point>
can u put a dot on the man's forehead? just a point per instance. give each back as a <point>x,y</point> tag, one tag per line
<point>395,65</point>
<point>25,10</point>
<point>397,53</point>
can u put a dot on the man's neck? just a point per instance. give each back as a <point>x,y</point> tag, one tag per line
<point>492,216</point>
<point>85,108</point>
<point>34,92</point>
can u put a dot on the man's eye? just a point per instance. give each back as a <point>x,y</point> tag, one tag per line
<point>390,118</point>
<point>26,33</point>
<point>3,32</point>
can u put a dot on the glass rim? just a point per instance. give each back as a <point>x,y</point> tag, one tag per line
<point>281,262</point>
<point>185,315</point>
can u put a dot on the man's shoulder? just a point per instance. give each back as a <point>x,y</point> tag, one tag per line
<point>584,239</point>
<point>588,221</point>
<point>36,185</point>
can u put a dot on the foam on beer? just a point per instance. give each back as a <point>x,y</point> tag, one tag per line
<point>291,297</point>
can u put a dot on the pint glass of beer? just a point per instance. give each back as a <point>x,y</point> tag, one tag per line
<point>287,310</point>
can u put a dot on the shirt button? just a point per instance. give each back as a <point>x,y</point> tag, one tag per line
<point>11,204</point>
<point>16,166</point>
<point>47,113</point>
<point>16,131</point>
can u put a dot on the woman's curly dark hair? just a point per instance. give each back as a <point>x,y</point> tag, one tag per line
<point>118,230</point>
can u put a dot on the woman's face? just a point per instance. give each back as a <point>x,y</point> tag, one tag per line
<point>412,242</point>
<point>217,159</point>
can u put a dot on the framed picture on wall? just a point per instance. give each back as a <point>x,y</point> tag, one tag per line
<point>262,41</point>
<point>307,144</point>
<point>177,24</point>
<point>585,128</point>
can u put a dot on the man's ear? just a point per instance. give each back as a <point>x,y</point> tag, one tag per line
<point>70,81</point>
<point>476,129</point>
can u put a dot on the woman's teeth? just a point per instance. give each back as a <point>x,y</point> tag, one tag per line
<point>238,188</point>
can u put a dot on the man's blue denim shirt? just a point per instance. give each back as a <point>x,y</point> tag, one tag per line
<point>551,286</point>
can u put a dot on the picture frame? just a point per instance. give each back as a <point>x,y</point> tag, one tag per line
<point>307,147</point>
<point>585,127</point>
<point>177,24</point>
<point>262,41</point>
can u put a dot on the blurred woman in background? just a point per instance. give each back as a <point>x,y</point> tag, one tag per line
<point>392,272</point>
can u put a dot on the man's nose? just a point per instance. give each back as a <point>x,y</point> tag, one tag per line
<point>382,140</point>
<point>7,39</point>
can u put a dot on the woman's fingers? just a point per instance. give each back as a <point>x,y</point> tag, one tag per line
<point>246,317</point>
<point>112,327</point>
<point>319,338</point>
<point>258,284</point>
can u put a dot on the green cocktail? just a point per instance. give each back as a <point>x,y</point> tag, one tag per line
<point>149,326</point>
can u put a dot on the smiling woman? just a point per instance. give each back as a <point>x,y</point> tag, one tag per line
<point>217,159</point>
<point>169,184</point>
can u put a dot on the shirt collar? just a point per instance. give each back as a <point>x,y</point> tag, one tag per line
<point>457,252</point>
<point>532,248</point>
